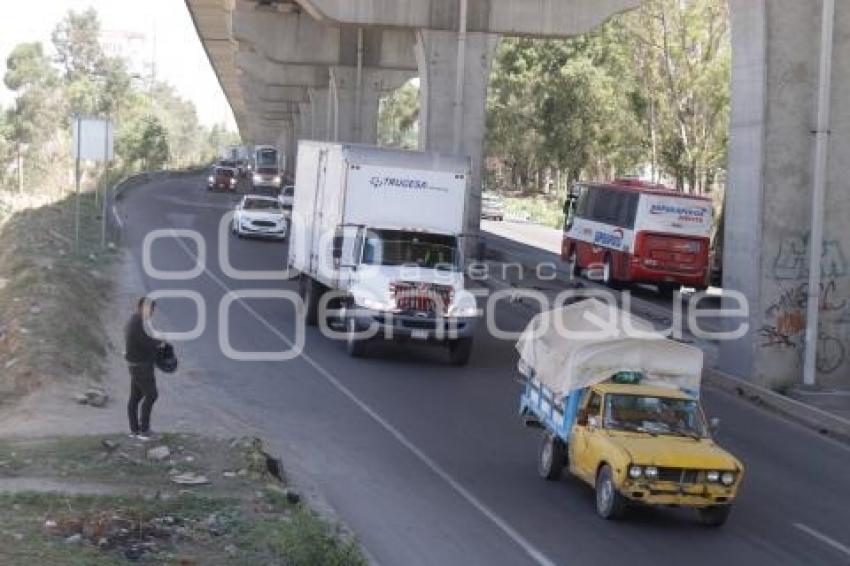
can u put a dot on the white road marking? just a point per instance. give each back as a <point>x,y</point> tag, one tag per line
<point>491,515</point>
<point>823,538</point>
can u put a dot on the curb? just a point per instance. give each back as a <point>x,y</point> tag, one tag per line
<point>816,419</point>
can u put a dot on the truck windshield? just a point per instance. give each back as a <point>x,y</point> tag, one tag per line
<point>396,247</point>
<point>267,158</point>
<point>654,415</point>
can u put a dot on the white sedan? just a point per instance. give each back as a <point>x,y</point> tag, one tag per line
<point>260,216</point>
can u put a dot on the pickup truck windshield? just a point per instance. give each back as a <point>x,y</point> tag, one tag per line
<point>654,415</point>
<point>396,247</point>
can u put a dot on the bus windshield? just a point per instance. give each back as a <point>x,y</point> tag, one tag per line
<point>396,247</point>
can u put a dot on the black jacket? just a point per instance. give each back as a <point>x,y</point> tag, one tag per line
<point>139,348</point>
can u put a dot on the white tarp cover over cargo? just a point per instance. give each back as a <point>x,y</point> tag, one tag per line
<point>589,341</point>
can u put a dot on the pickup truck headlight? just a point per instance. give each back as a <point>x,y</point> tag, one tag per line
<point>727,478</point>
<point>211,179</point>
<point>712,476</point>
<point>651,472</point>
<point>635,472</point>
<point>276,180</point>
<point>257,178</point>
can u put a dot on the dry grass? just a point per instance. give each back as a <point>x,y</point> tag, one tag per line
<point>51,294</point>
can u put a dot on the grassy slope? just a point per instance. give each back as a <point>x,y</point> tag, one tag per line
<point>246,518</point>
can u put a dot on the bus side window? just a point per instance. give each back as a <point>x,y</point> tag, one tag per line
<point>628,210</point>
<point>581,207</point>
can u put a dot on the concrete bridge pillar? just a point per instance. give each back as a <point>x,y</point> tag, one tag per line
<point>356,98</point>
<point>775,80</point>
<point>454,69</point>
<point>321,118</point>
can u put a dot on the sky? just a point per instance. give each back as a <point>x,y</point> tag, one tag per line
<point>143,30</point>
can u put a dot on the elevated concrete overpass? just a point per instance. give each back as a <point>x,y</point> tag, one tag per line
<point>296,69</point>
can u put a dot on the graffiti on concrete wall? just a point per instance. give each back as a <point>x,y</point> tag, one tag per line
<point>792,264</point>
<point>784,326</point>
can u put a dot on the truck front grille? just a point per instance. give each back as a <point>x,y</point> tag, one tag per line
<point>422,297</point>
<point>679,475</point>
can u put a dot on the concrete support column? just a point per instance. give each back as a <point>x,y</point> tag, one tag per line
<point>776,50</point>
<point>321,113</point>
<point>454,69</point>
<point>356,105</point>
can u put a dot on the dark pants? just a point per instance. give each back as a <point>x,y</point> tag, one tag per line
<point>142,390</point>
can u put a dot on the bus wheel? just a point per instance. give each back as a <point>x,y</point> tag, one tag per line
<point>608,274</point>
<point>573,268</point>
<point>667,290</point>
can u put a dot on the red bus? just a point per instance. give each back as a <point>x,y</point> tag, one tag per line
<point>634,232</point>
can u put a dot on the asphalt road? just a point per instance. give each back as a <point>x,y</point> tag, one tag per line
<point>429,464</point>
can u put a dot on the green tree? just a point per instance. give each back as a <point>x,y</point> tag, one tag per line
<point>649,88</point>
<point>38,109</point>
<point>399,117</point>
<point>77,42</point>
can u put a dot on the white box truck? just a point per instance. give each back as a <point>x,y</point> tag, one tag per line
<point>382,228</point>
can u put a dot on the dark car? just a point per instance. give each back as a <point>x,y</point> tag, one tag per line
<point>223,178</point>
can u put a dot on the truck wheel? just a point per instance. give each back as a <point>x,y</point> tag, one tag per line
<point>460,350</point>
<point>553,457</point>
<point>609,503</point>
<point>715,515</point>
<point>310,292</point>
<point>356,347</point>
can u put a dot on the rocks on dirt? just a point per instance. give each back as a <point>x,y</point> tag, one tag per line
<point>93,397</point>
<point>159,453</point>
<point>190,478</point>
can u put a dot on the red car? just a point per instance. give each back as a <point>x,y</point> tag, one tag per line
<point>224,178</point>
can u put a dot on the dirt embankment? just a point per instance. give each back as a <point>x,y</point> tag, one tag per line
<point>52,294</point>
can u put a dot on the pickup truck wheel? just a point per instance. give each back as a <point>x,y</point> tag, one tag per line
<point>356,347</point>
<point>609,503</point>
<point>715,515</point>
<point>460,350</point>
<point>310,292</point>
<point>553,457</point>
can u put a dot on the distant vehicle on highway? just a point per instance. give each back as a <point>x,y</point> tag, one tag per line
<point>223,178</point>
<point>492,207</point>
<point>394,219</point>
<point>622,413</point>
<point>267,172</point>
<point>287,196</point>
<point>630,231</point>
<point>260,216</point>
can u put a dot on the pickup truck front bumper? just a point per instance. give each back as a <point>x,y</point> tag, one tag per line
<point>685,495</point>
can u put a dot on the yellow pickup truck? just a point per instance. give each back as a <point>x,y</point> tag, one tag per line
<point>623,414</point>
